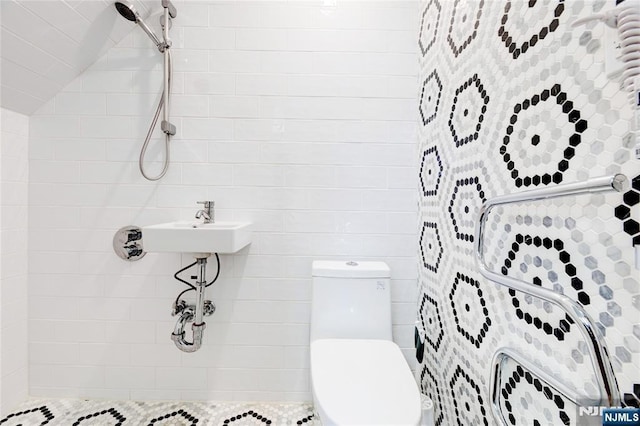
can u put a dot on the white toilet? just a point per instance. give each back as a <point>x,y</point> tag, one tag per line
<point>358,375</point>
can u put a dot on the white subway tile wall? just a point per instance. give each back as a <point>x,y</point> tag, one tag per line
<point>14,173</point>
<point>46,44</point>
<point>297,116</point>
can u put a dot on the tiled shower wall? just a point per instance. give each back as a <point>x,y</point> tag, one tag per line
<point>513,98</point>
<point>297,116</point>
<point>14,171</point>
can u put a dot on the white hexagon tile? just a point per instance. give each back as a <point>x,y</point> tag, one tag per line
<point>512,97</point>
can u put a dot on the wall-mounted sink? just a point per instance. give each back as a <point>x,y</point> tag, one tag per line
<point>196,237</point>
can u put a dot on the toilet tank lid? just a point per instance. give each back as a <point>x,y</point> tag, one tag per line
<point>350,269</point>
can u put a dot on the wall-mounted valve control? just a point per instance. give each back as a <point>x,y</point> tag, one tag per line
<point>209,308</point>
<point>181,306</point>
<point>127,243</point>
<point>178,307</point>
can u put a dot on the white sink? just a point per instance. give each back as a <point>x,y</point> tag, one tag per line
<point>196,237</point>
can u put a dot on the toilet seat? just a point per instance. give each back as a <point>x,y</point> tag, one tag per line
<point>363,382</point>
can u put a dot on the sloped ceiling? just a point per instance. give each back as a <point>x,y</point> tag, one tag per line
<point>45,44</point>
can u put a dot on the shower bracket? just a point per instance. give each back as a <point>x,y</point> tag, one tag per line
<point>171,8</point>
<point>168,128</point>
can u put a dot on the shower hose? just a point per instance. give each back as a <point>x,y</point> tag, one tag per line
<point>167,137</point>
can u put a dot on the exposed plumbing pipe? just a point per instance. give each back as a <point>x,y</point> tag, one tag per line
<point>190,314</point>
<point>178,335</point>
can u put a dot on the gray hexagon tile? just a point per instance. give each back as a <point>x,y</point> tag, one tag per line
<point>524,102</point>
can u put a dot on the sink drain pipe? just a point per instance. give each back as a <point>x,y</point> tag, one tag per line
<point>189,314</point>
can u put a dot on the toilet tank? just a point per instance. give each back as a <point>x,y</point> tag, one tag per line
<point>350,300</point>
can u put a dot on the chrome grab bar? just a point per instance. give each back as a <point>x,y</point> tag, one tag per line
<point>609,392</point>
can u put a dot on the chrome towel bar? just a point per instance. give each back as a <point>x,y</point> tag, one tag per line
<point>505,355</point>
<point>608,387</point>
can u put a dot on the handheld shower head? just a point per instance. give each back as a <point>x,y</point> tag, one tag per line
<point>130,13</point>
<point>127,11</point>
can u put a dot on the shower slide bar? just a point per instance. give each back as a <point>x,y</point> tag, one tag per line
<point>609,392</point>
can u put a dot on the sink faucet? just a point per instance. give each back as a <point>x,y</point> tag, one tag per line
<point>207,212</point>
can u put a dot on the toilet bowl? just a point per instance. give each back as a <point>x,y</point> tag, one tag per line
<point>363,382</point>
<point>358,374</point>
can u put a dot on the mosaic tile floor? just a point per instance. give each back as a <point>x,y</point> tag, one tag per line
<point>73,412</point>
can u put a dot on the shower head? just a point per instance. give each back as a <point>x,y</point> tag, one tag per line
<point>130,13</point>
<point>127,11</point>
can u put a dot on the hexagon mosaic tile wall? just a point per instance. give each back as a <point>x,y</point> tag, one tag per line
<point>77,412</point>
<point>513,98</point>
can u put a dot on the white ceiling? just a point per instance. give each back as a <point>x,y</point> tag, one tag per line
<point>45,44</point>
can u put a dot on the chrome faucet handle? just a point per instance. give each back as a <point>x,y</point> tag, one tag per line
<point>208,205</point>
